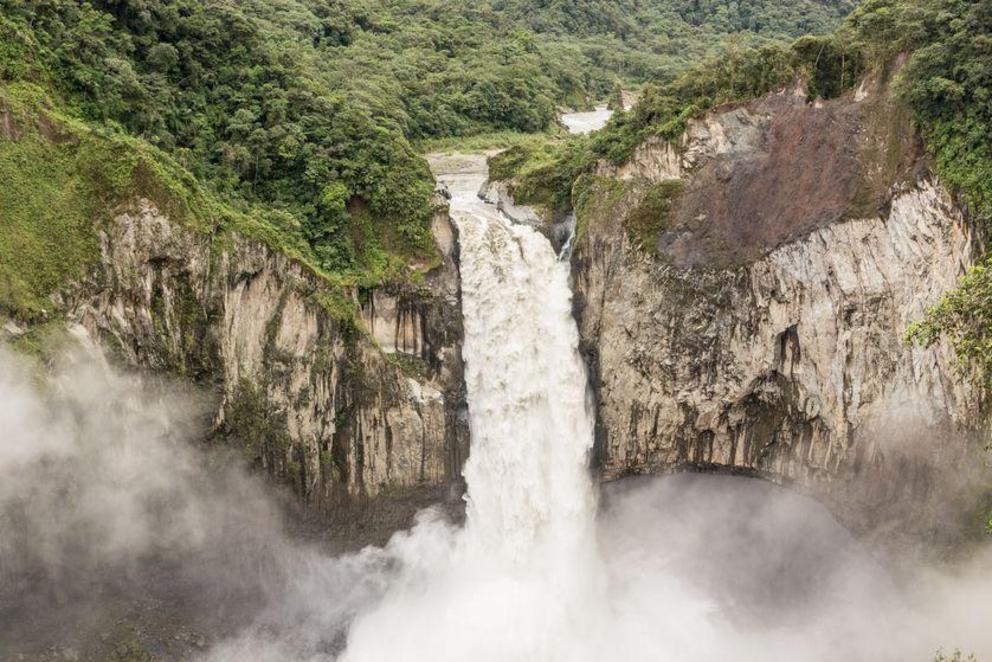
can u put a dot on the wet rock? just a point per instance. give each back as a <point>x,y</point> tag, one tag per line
<point>311,396</point>
<point>765,331</point>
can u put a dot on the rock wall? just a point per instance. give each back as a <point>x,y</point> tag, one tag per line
<point>342,411</point>
<point>559,229</point>
<point>760,327</point>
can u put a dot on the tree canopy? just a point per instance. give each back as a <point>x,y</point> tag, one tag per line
<point>312,107</point>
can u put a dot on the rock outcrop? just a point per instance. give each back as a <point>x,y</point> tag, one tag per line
<point>754,320</point>
<point>558,229</point>
<point>341,410</point>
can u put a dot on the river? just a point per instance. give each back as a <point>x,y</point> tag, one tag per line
<point>588,121</point>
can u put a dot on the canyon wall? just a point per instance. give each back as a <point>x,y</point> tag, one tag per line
<point>341,407</point>
<point>743,296</point>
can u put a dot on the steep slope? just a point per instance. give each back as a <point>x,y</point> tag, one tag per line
<point>745,292</point>
<point>344,393</point>
<point>316,401</point>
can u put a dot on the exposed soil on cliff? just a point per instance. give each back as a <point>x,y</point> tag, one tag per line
<point>8,126</point>
<point>815,164</point>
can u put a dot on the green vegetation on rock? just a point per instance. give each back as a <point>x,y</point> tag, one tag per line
<point>596,201</point>
<point>947,82</point>
<point>60,179</point>
<point>653,215</point>
<point>47,237</point>
<point>300,117</point>
<point>964,316</point>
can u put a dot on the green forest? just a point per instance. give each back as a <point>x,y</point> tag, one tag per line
<point>301,120</point>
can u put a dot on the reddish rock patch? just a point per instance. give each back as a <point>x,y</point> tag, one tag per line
<point>8,127</point>
<point>817,164</point>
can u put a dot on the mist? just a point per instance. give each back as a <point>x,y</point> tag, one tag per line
<point>119,528</point>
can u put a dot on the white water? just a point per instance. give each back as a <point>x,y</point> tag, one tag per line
<point>528,483</point>
<point>515,582</point>
<point>588,121</point>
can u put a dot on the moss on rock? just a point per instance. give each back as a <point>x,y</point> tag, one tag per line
<point>654,214</point>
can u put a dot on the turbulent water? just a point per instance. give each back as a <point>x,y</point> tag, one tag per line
<point>522,563</point>
<point>531,422</point>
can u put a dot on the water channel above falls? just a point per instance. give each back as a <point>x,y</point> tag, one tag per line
<point>588,121</point>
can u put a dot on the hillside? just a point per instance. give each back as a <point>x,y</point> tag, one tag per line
<point>303,113</point>
<point>941,78</point>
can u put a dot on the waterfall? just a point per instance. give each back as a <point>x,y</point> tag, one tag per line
<point>531,424</point>
<point>516,581</point>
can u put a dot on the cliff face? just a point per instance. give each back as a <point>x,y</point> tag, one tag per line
<point>743,296</point>
<point>339,410</point>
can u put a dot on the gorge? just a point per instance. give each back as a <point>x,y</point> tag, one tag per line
<point>674,568</point>
<point>328,333</point>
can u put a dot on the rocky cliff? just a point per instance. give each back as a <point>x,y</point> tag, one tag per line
<point>743,295</point>
<point>341,408</point>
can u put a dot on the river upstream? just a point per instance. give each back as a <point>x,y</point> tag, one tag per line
<point>587,122</point>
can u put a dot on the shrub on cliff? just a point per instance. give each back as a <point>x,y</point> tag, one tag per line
<point>947,81</point>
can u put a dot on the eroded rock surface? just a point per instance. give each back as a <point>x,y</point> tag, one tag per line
<point>340,411</point>
<point>759,324</point>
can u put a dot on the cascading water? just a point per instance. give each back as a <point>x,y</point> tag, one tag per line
<point>530,419</point>
<point>676,570</point>
<point>515,583</point>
